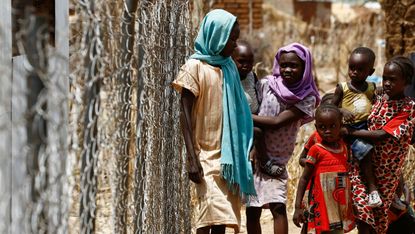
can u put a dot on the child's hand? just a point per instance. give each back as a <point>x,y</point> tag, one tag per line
<point>302,162</point>
<point>195,171</point>
<point>347,115</point>
<point>252,158</point>
<point>298,217</point>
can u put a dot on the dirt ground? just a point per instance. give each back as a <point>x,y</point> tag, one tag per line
<point>267,224</point>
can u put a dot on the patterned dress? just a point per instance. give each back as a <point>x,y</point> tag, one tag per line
<point>330,203</point>
<point>279,145</point>
<point>396,118</point>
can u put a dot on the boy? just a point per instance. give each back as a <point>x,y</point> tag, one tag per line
<point>355,100</point>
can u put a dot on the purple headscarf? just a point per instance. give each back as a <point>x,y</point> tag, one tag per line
<point>304,87</point>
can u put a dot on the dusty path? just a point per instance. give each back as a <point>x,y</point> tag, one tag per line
<point>267,224</point>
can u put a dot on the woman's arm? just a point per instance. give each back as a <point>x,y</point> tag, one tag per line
<point>376,135</point>
<point>195,168</point>
<point>302,186</point>
<point>287,116</point>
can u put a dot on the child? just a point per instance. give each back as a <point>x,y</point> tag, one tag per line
<point>244,60</point>
<point>355,100</point>
<point>288,98</point>
<point>314,137</point>
<point>214,104</point>
<point>391,125</point>
<point>330,207</point>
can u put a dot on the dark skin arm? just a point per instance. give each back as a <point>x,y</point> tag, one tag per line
<point>195,168</point>
<point>298,216</point>
<point>303,156</point>
<point>304,153</point>
<point>377,135</point>
<point>338,96</point>
<point>274,122</point>
<point>337,99</point>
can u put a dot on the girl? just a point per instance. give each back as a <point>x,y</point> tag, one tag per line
<point>289,97</point>
<point>325,170</point>
<point>214,104</point>
<point>390,129</point>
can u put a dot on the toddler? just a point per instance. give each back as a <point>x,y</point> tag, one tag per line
<point>244,60</point>
<point>330,206</point>
<point>355,100</point>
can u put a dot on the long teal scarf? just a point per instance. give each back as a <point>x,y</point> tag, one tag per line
<point>237,127</point>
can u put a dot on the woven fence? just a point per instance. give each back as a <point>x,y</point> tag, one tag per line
<point>96,135</point>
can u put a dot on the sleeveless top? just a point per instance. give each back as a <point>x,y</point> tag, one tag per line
<point>359,103</point>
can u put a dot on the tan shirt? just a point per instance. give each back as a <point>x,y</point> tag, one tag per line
<point>205,82</point>
<point>217,205</point>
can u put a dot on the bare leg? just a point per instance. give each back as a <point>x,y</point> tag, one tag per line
<point>304,229</point>
<point>253,215</point>
<point>280,218</point>
<point>203,230</point>
<point>218,229</point>
<point>366,166</point>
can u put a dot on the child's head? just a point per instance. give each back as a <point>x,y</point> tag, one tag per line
<point>291,68</point>
<point>243,57</point>
<point>292,74</point>
<point>231,42</point>
<point>328,122</point>
<point>327,98</point>
<point>397,74</point>
<point>218,33</point>
<point>361,63</point>
<point>293,64</point>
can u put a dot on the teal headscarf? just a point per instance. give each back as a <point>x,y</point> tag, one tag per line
<point>237,129</point>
